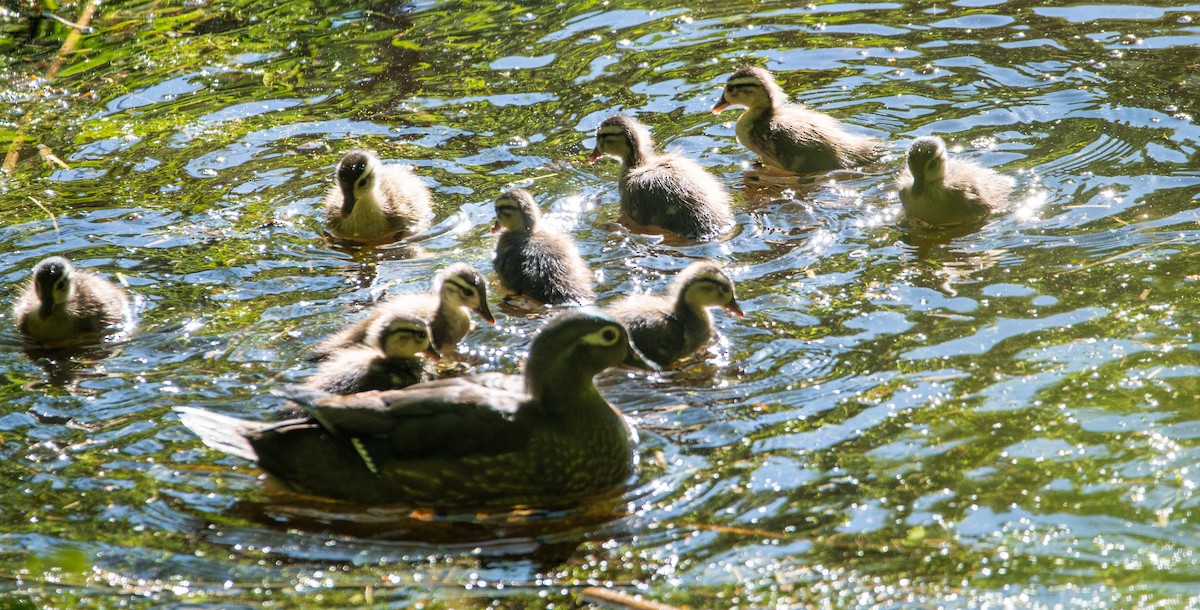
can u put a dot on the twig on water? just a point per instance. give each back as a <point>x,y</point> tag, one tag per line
<point>80,25</point>
<point>616,599</point>
<point>53,218</point>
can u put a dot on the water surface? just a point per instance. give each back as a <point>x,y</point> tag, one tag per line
<point>1002,418</point>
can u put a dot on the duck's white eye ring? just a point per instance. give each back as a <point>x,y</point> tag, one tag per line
<point>605,337</point>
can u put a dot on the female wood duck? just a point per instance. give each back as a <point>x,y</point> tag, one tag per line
<point>938,191</point>
<point>534,262</point>
<point>668,327</point>
<point>789,136</point>
<point>375,203</point>
<point>63,305</point>
<point>662,190</point>
<point>458,290</point>
<point>484,440</point>
<point>390,360</point>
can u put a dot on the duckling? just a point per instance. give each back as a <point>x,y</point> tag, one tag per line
<point>373,202</point>
<point>668,327</point>
<point>457,290</point>
<point>533,261</point>
<point>936,190</point>
<point>663,190</point>
<point>390,360</point>
<point>789,136</point>
<point>484,440</point>
<point>63,305</point>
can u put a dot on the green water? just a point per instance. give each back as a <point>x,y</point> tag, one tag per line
<point>1004,419</point>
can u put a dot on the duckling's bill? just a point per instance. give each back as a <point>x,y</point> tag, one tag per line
<point>734,308</point>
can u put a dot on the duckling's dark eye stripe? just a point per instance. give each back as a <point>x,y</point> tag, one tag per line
<point>504,207</point>
<point>714,282</point>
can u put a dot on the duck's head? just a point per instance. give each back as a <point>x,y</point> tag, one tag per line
<point>403,336</point>
<point>52,282</point>
<point>516,210</point>
<point>750,87</point>
<point>463,286</point>
<point>926,162</point>
<point>704,284</point>
<point>579,342</point>
<point>356,177</point>
<point>624,138</point>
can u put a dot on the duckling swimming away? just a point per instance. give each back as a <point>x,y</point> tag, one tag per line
<point>669,327</point>
<point>390,360</point>
<point>375,203</point>
<point>663,190</point>
<point>789,136</point>
<point>938,191</point>
<point>63,305</point>
<point>484,440</point>
<point>457,290</point>
<point>533,261</point>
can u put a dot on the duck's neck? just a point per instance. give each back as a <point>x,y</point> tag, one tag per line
<point>639,153</point>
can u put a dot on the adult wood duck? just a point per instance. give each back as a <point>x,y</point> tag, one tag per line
<point>789,136</point>
<point>375,203</point>
<point>662,189</point>
<point>63,305</point>
<point>390,360</point>
<point>457,290</point>
<point>937,191</point>
<point>534,262</point>
<point>484,440</point>
<point>668,327</point>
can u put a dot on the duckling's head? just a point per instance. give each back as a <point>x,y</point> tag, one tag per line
<point>356,178</point>
<point>516,210</point>
<point>579,342</point>
<point>52,282</point>
<point>926,162</point>
<point>751,87</point>
<point>624,138</point>
<point>403,336</point>
<point>463,286</point>
<point>704,284</point>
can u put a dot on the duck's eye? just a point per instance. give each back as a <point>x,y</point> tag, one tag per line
<point>420,335</point>
<point>609,335</point>
<point>362,182</point>
<point>61,284</point>
<point>467,292</point>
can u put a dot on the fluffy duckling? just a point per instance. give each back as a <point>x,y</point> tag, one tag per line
<point>457,290</point>
<point>663,190</point>
<point>63,305</point>
<point>534,262</point>
<point>373,202</point>
<point>668,327</point>
<point>936,190</point>
<point>390,360</point>
<point>789,136</point>
<point>483,440</point>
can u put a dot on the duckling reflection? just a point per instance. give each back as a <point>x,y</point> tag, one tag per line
<point>937,191</point>
<point>483,440</point>
<point>787,136</point>
<point>64,306</point>
<point>533,261</point>
<point>457,290</point>
<point>375,203</point>
<point>662,189</point>
<point>390,360</point>
<point>668,327</point>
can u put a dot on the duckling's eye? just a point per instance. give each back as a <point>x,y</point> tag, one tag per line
<point>609,335</point>
<point>467,292</point>
<point>420,335</point>
<point>61,284</point>
<point>362,182</point>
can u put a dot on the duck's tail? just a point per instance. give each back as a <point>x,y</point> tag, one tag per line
<point>221,432</point>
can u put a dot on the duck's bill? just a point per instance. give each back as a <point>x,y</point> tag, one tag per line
<point>486,314</point>
<point>635,359</point>
<point>918,186</point>
<point>432,353</point>
<point>721,105</point>
<point>734,308</point>
<point>595,156</point>
<point>496,227</point>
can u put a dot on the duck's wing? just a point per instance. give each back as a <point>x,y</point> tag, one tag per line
<point>461,416</point>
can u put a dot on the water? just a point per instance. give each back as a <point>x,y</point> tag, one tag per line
<point>1000,419</point>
